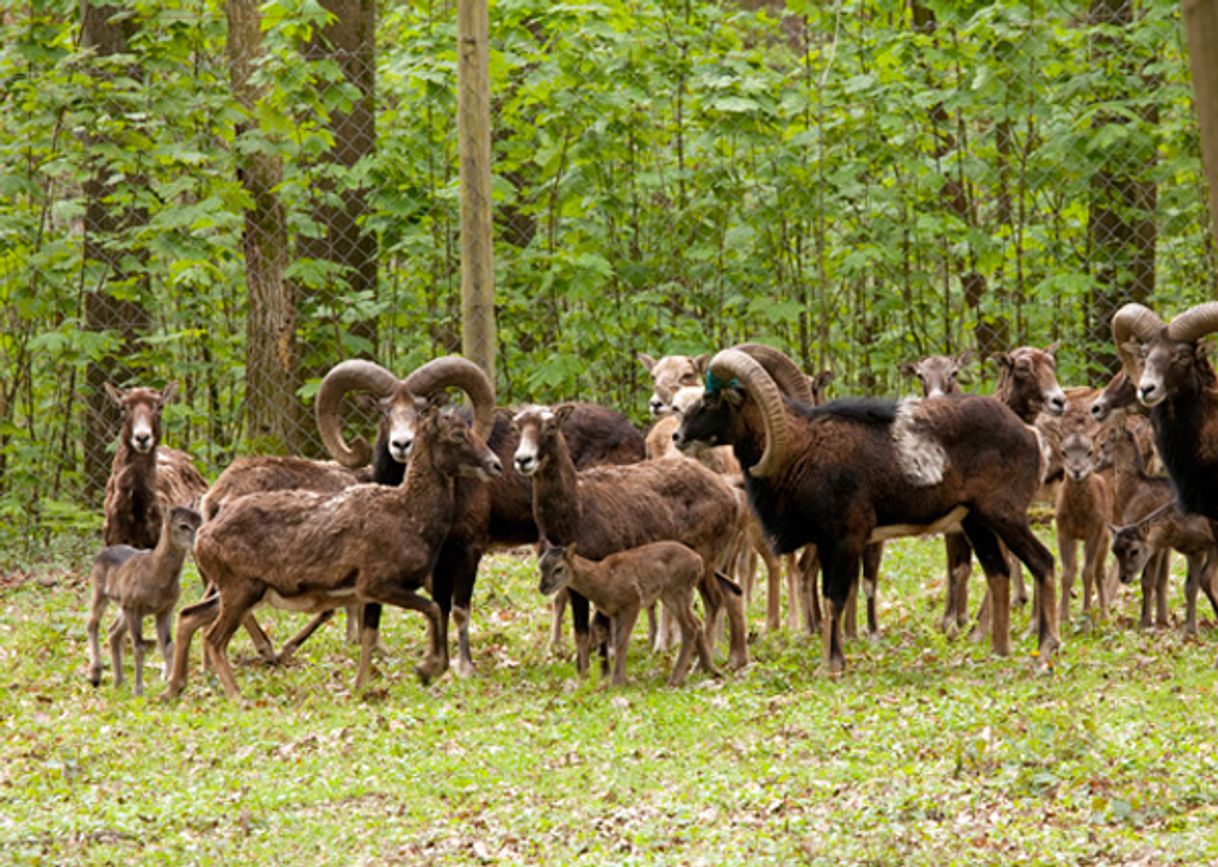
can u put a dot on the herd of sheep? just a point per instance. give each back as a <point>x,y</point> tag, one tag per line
<point>744,461</point>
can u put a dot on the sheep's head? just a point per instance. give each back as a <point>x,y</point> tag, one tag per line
<point>1118,394</point>
<point>537,426</point>
<point>141,414</point>
<point>739,384</point>
<point>1131,547</point>
<point>938,373</point>
<point>669,374</point>
<point>398,403</point>
<point>182,523</point>
<point>556,567</point>
<point>1029,377</point>
<point>1079,455</point>
<point>455,449</point>
<point>1165,358</point>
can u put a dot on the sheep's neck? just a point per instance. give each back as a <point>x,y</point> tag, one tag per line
<point>556,494</point>
<point>424,481</point>
<point>167,557</point>
<point>587,580</point>
<point>1023,405</point>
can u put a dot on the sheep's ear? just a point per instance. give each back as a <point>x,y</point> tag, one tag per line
<point>169,392</point>
<point>909,368</point>
<point>1002,359</point>
<point>825,377</point>
<point>965,358</point>
<point>569,550</point>
<point>1052,348</point>
<point>1112,528</point>
<point>563,411</point>
<point>115,393</point>
<point>646,360</point>
<point>701,362</point>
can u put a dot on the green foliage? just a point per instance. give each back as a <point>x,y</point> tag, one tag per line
<point>668,178</point>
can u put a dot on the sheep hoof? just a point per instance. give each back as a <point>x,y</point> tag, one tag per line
<point>95,678</point>
<point>464,668</point>
<point>737,661</point>
<point>429,669</point>
<point>948,628</point>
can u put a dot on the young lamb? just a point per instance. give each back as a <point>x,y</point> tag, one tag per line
<point>142,583</point>
<point>623,584</point>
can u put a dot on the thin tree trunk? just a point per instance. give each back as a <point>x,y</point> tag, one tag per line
<point>274,419</point>
<point>474,135</point>
<point>106,250</point>
<point>1201,33</point>
<point>349,40</point>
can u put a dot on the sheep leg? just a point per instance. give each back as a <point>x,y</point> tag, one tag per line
<point>164,640</point>
<point>117,629</point>
<point>850,613</point>
<point>809,569</point>
<point>738,634</point>
<point>262,643</point>
<point>234,611</point>
<point>953,618</point>
<point>795,598</point>
<point>1067,551</point>
<point>452,588</point>
<point>190,619</point>
<point>652,625</point>
<point>293,644</point>
<point>995,612</point>
<point>872,555</point>
<point>558,608</point>
<point>354,618</point>
<point>135,625</point>
<point>623,625</point>
<point>1020,541</point>
<point>97,608</point>
<point>1093,567</point>
<point>389,592</point>
<point>1162,620</point>
<point>1192,584</point>
<point>1149,572</point>
<point>841,568</point>
<point>583,638</point>
<point>1207,579</point>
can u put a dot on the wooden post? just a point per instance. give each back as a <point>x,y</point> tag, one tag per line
<point>474,134</point>
<point>1201,33</point>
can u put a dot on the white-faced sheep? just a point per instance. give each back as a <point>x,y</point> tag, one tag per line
<point>146,478</point>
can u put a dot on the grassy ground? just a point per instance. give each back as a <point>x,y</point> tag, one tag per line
<point>925,752</point>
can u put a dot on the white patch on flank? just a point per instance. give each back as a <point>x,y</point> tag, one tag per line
<point>920,456</point>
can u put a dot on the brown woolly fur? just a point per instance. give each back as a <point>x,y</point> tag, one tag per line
<point>1082,510</point>
<point>622,507</point>
<point>252,475</point>
<point>146,478</point>
<point>142,583</point>
<point>306,551</point>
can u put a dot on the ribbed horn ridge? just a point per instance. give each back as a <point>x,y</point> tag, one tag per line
<point>785,372</point>
<point>736,364</point>
<point>1194,323</point>
<point>354,374</point>
<point>457,372</point>
<point>1133,321</point>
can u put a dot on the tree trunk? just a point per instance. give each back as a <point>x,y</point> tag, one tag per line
<point>106,250</point>
<point>1121,228</point>
<point>1201,33</point>
<point>350,41</point>
<point>274,419</point>
<point>474,137</point>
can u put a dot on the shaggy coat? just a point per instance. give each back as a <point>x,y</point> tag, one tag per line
<point>146,478</point>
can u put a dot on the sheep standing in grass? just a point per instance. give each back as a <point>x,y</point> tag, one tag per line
<point>623,584</point>
<point>142,583</point>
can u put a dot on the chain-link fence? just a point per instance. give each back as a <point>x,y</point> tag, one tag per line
<point>238,198</point>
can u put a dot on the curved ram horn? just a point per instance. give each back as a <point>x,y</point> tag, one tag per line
<point>785,372</point>
<point>342,378</point>
<point>733,363</point>
<point>458,372</point>
<point>1136,322</point>
<point>1194,323</point>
